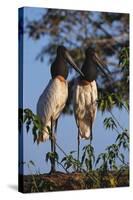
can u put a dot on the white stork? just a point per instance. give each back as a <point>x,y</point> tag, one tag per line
<point>54,96</point>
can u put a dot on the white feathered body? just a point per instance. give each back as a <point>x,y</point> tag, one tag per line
<point>51,103</point>
<point>85,106</point>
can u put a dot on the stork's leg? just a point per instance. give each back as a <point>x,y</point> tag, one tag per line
<point>51,135</point>
<point>55,130</point>
<point>52,147</point>
<point>91,139</point>
<point>78,149</point>
<point>91,135</point>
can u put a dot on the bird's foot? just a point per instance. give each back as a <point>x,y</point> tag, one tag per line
<point>52,171</point>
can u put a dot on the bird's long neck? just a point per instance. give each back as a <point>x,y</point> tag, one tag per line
<point>59,67</point>
<point>89,69</point>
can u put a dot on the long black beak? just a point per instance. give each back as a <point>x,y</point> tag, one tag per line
<point>102,67</point>
<point>72,63</point>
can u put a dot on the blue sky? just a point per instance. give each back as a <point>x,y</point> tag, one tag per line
<point>36,78</point>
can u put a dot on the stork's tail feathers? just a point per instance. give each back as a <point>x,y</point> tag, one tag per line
<point>85,135</point>
<point>43,136</point>
<point>85,132</point>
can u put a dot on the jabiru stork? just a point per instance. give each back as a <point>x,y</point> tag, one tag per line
<point>54,96</point>
<point>85,95</point>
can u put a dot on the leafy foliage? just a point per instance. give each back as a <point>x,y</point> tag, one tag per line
<point>106,101</point>
<point>52,156</point>
<point>104,158</point>
<point>31,120</point>
<point>113,152</point>
<point>123,140</point>
<point>109,123</point>
<point>88,157</point>
<point>107,160</point>
<point>70,162</point>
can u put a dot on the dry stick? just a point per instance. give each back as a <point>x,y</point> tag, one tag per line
<point>60,148</point>
<point>116,120</point>
<point>116,130</point>
<point>62,166</point>
<point>125,108</point>
<point>122,161</point>
<point>57,145</point>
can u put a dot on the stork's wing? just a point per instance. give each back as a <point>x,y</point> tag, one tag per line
<point>85,107</point>
<point>52,101</point>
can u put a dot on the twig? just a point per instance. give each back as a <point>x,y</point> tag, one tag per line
<point>58,146</point>
<point>62,166</point>
<point>116,120</point>
<point>122,161</point>
<point>116,130</point>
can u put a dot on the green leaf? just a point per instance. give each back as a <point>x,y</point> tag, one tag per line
<point>64,159</point>
<point>22,163</point>
<point>28,123</point>
<point>37,122</point>
<point>83,157</point>
<point>56,156</point>
<point>122,157</point>
<point>34,130</point>
<point>48,155</point>
<point>98,159</point>
<point>49,130</point>
<point>28,112</point>
<point>32,163</point>
<point>25,118</point>
<point>68,165</point>
<point>109,123</point>
<point>118,137</point>
<point>93,156</point>
<point>87,163</point>
<point>35,138</point>
<point>71,152</point>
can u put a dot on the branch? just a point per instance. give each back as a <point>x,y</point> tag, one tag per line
<point>108,41</point>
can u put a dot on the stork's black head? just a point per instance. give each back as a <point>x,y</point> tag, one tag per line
<point>61,50</point>
<point>92,62</point>
<point>59,67</point>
